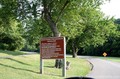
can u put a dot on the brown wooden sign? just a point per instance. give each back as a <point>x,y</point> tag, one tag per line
<point>52,48</point>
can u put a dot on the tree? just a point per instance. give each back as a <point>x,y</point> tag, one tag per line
<point>10,37</point>
<point>111,45</point>
<point>48,6</point>
<point>94,29</point>
<point>54,11</point>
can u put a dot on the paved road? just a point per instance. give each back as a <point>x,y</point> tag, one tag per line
<point>103,69</point>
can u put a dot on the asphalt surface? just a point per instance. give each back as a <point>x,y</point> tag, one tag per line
<point>103,69</point>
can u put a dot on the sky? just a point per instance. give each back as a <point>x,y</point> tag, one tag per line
<point>111,8</point>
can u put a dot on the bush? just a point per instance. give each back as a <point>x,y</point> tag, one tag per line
<point>3,46</point>
<point>11,42</point>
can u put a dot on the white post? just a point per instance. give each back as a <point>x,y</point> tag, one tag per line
<point>64,68</point>
<point>64,60</point>
<point>41,66</point>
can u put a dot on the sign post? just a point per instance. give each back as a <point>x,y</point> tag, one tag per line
<point>64,60</point>
<point>41,66</point>
<point>53,48</point>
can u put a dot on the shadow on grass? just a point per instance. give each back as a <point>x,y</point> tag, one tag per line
<point>50,66</point>
<point>17,61</point>
<point>8,66</point>
<point>14,53</point>
<point>19,68</point>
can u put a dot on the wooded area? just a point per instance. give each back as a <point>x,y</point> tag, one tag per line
<point>87,30</point>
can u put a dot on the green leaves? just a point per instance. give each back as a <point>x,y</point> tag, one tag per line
<point>10,37</point>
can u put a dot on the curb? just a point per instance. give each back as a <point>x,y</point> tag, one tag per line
<point>92,66</point>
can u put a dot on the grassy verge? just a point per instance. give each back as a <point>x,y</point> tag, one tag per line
<point>27,67</point>
<point>114,59</point>
<point>10,53</point>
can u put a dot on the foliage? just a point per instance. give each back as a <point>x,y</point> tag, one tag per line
<point>33,31</point>
<point>11,42</point>
<point>80,21</point>
<point>71,18</point>
<point>93,31</point>
<point>10,37</point>
<point>111,46</point>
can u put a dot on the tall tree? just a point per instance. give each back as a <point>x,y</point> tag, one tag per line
<point>10,37</point>
<point>49,8</point>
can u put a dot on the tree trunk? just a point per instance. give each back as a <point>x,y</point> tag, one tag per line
<point>53,27</point>
<point>74,54</point>
<point>74,50</point>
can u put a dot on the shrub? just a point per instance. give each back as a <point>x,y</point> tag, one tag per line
<point>11,42</point>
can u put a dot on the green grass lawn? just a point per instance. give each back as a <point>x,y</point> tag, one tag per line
<point>10,53</point>
<point>27,67</point>
<point>114,59</point>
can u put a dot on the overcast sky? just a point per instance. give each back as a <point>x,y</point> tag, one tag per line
<point>112,8</point>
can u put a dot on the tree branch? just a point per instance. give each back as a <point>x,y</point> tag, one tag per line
<point>61,11</point>
<point>49,20</point>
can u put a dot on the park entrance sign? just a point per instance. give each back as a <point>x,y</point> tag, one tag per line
<point>53,48</point>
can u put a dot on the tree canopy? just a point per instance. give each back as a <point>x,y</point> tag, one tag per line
<point>10,37</point>
<point>80,21</point>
